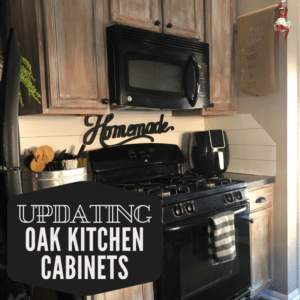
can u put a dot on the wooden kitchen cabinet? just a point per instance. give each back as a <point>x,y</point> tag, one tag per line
<point>64,41</point>
<point>138,292</point>
<point>140,13</point>
<point>220,32</point>
<point>184,18</point>
<point>261,237</point>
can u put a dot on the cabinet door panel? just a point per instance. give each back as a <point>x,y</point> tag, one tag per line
<point>220,34</point>
<point>148,291</point>
<point>138,292</point>
<point>133,293</point>
<point>75,43</point>
<point>140,13</point>
<point>262,248</point>
<point>186,17</point>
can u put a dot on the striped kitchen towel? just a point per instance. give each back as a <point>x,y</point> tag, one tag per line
<point>221,238</point>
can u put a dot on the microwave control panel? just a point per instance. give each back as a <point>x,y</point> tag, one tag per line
<point>202,79</point>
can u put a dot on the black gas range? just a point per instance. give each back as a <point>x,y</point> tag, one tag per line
<point>188,200</point>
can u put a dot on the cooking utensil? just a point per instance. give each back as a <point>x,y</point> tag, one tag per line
<point>60,155</point>
<point>82,148</point>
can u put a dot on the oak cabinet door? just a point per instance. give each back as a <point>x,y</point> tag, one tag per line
<point>64,40</point>
<point>184,18</point>
<point>134,293</point>
<point>262,249</point>
<point>220,34</point>
<point>220,20</point>
<point>137,292</point>
<point>139,13</point>
<point>75,51</point>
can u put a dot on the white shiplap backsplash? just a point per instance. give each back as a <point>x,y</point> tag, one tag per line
<point>63,132</point>
<point>252,151</point>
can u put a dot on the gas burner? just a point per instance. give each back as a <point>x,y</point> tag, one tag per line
<point>186,179</point>
<point>183,189</point>
<point>164,191</point>
<point>190,179</point>
<point>213,182</point>
<point>130,186</point>
<point>176,185</point>
<point>170,179</point>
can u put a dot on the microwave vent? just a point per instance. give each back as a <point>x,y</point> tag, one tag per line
<point>153,39</point>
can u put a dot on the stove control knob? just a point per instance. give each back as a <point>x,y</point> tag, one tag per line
<point>229,198</point>
<point>178,211</point>
<point>238,196</point>
<point>190,208</point>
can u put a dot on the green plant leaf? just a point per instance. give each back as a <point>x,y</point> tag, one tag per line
<point>27,79</point>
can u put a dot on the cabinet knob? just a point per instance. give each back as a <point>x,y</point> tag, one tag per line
<point>211,105</point>
<point>105,101</point>
<point>157,23</point>
<point>169,25</point>
<point>251,221</point>
<point>261,200</point>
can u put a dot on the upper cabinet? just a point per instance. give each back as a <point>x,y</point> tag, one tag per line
<point>64,42</point>
<point>185,18</point>
<point>220,17</point>
<point>139,13</point>
<point>220,34</point>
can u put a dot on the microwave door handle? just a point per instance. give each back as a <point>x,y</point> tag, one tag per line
<point>194,100</point>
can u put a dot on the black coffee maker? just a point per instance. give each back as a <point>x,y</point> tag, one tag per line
<point>209,152</point>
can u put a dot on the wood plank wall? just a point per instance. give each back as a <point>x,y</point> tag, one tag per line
<point>252,151</point>
<point>63,132</point>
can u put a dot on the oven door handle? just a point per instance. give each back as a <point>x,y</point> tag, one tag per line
<point>194,100</point>
<point>179,228</point>
<point>240,210</point>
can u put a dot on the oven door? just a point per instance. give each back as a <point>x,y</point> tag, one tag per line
<point>186,271</point>
<point>150,77</point>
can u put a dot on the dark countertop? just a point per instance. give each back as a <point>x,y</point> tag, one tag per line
<point>252,180</point>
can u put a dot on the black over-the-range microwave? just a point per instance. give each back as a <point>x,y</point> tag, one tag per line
<point>149,70</point>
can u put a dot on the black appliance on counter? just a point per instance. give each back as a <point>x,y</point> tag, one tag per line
<point>209,152</point>
<point>188,200</point>
<point>152,70</point>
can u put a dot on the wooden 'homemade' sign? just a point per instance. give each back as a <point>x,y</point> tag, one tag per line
<point>132,132</point>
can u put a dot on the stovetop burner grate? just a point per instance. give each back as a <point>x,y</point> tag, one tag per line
<point>178,184</point>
